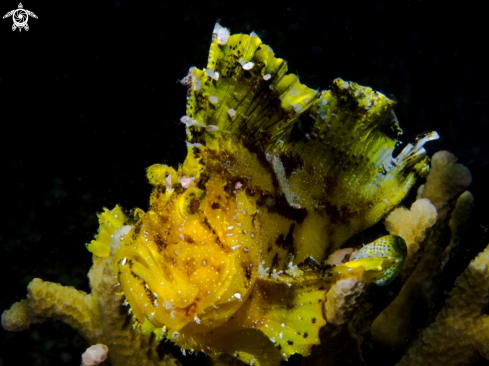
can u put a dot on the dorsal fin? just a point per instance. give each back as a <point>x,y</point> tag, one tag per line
<point>329,152</point>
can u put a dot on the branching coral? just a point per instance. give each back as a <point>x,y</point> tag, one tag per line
<point>460,332</point>
<point>96,316</point>
<point>445,182</point>
<point>239,251</point>
<point>412,225</point>
<point>341,299</point>
<point>458,221</point>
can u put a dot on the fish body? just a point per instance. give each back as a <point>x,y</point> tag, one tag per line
<point>276,175</point>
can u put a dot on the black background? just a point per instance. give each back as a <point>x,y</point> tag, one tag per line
<point>88,100</point>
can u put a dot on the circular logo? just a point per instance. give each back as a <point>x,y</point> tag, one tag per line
<point>20,17</point>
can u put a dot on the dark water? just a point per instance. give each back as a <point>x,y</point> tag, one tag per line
<point>89,100</point>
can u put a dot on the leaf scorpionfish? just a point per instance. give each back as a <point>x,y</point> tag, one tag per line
<point>230,256</point>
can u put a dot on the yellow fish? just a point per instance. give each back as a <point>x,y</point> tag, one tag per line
<point>229,256</point>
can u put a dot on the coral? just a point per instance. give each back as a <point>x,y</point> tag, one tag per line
<point>445,182</point>
<point>341,299</point>
<point>458,220</point>
<point>94,355</point>
<point>459,334</point>
<point>411,225</point>
<point>341,344</point>
<point>96,316</point>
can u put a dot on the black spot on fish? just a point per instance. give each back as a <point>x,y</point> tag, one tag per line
<point>247,270</point>
<point>291,162</point>
<point>194,205</point>
<point>283,208</point>
<point>206,222</point>
<point>137,229</point>
<point>339,215</point>
<point>159,242</point>
<point>312,265</point>
<point>330,185</point>
<point>287,243</point>
<point>275,262</point>
<point>302,128</point>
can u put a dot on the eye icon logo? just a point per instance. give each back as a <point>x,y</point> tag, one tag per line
<point>20,17</point>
